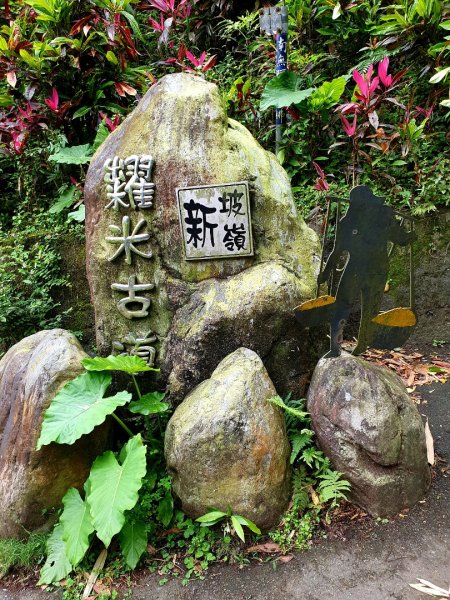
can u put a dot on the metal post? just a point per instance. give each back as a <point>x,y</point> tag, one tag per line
<point>274,21</point>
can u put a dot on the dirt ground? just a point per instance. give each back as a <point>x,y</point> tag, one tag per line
<point>362,559</point>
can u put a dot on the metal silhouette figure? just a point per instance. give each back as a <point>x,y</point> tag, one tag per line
<point>362,236</point>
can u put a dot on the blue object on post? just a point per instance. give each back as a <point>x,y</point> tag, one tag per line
<point>274,21</point>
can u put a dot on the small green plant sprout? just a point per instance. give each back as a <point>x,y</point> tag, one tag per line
<point>112,488</point>
<point>237,522</point>
<point>438,343</point>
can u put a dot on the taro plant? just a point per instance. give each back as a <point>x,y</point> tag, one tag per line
<point>112,488</point>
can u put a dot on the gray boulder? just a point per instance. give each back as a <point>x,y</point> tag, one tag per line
<point>368,426</point>
<point>245,301</point>
<point>32,483</point>
<point>226,445</point>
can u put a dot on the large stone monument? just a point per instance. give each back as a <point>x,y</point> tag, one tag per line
<point>194,244</point>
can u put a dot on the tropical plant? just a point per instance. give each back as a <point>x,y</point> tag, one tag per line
<point>112,488</point>
<point>235,522</point>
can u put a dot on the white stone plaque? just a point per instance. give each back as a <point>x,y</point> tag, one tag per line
<point>215,221</point>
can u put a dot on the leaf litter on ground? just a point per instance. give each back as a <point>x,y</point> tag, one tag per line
<point>414,368</point>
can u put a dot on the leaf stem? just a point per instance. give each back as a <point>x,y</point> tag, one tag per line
<point>122,424</point>
<point>133,377</point>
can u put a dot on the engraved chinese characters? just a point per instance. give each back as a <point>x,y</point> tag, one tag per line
<point>215,221</point>
<point>129,186</point>
<point>129,179</point>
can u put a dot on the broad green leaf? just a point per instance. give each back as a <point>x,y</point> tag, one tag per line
<point>445,25</point>
<point>102,134</point>
<point>72,155</point>
<point>133,24</point>
<point>238,527</point>
<point>133,542</point>
<point>64,200</point>
<point>440,75</point>
<point>283,91</point>
<point>114,487</point>
<point>149,404</point>
<point>336,11</point>
<point>78,408</point>
<point>76,526</point>
<point>57,565</point>
<point>78,215</point>
<point>252,526</point>
<point>80,112</point>
<point>30,60</point>
<point>127,364</point>
<point>111,57</point>
<point>165,509</point>
<point>211,517</point>
<point>328,94</point>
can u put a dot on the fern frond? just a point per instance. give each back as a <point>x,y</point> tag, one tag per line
<point>289,409</point>
<point>298,441</point>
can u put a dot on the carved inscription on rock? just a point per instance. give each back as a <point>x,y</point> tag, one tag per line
<point>215,221</point>
<point>129,186</point>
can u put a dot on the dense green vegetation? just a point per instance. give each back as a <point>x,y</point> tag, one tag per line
<point>367,97</point>
<point>70,71</point>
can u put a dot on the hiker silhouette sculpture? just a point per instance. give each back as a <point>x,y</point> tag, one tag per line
<point>363,235</point>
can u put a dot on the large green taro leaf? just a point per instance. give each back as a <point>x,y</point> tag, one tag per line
<point>57,565</point>
<point>133,542</point>
<point>114,487</point>
<point>127,364</point>
<point>78,408</point>
<point>77,526</point>
<point>283,90</point>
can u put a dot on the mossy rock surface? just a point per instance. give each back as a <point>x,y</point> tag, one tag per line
<point>181,122</point>
<point>33,482</point>
<point>226,445</point>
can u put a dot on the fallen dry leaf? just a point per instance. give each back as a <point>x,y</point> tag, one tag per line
<point>430,444</point>
<point>430,589</point>
<point>151,549</point>
<point>267,548</point>
<point>285,559</point>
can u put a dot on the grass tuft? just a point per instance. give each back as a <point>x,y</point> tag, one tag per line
<point>25,554</point>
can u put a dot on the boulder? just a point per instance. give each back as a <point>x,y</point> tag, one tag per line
<point>32,483</point>
<point>182,124</point>
<point>371,430</point>
<point>226,446</point>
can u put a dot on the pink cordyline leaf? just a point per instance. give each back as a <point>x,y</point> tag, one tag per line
<point>348,107</point>
<point>111,125</point>
<point>383,66</point>
<point>349,129</point>
<point>192,58</point>
<point>365,84</point>
<point>160,5</point>
<point>321,185</point>
<point>155,25</point>
<point>53,101</point>
<point>210,63</point>
<point>318,169</point>
<point>361,83</point>
<point>374,85</point>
